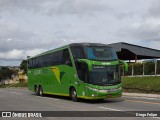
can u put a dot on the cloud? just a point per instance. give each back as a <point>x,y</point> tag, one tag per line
<point>50,7</point>
<point>11,36</point>
<point>28,27</point>
<point>78,7</point>
<point>11,55</point>
<point>154,8</point>
<point>15,36</point>
<point>145,30</point>
<point>33,52</point>
<point>19,5</point>
<point>19,55</point>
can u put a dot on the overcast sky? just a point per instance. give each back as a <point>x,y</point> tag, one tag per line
<point>29,27</point>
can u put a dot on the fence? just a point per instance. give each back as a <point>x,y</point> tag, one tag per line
<point>144,68</point>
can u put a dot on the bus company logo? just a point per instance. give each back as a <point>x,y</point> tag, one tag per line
<point>56,71</point>
<point>6,114</point>
<point>58,74</point>
<point>106,63</point>
<point>21,114</point>
<point>37,72</point>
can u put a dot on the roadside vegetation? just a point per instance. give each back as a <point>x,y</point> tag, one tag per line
<point>148,84</point>
<point>14,85</point>
<point>6,73</point>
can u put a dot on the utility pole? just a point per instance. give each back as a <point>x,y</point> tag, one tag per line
<point>155,61</point>
<point>132,70</point>
<point>143,67</point>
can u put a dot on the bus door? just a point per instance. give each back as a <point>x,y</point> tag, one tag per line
<point>81,68</point>
<point>83,76</point>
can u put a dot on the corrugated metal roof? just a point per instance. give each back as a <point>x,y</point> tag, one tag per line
<point>131,50</point>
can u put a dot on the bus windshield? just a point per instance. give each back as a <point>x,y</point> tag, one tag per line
<point>101,53</point>
<point>105,75</point>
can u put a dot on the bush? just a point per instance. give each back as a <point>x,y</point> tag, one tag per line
<point>141,84</point>
<point>149,68</point>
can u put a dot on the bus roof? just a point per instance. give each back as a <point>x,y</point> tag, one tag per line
<point>88,44</point>
<point>66,46</point>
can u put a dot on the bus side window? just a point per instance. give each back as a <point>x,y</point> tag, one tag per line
<point>32,63</point>
<point>29,64</point>
<point>66,57</point>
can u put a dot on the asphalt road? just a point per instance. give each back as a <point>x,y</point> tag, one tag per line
<point>12,99</point>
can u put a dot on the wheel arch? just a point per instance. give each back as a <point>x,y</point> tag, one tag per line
<point>72,87</point>
<point>35,87</point>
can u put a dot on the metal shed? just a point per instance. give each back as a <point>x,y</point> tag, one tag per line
<point>126,51</point>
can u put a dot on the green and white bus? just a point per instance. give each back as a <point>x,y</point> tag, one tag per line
<point>78,70</point>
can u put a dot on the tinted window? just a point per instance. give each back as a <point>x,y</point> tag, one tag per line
<point>43,61</point>
<point>50,59</point>
<point>66,57</point>
<point>29,63</point>
<point>56,57</point>
<point>101,53</point>
<point>77,52</point>
<point>53,59</point>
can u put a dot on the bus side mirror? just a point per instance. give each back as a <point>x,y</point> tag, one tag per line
<point>125,65</point>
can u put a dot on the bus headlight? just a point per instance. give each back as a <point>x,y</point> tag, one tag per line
<point>104,91</point>
<point>93,89</point>
<point>115,90</point>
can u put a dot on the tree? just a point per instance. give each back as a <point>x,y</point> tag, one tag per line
<point>23,66</point>
<point>6,73</point>
<point>1,76</point>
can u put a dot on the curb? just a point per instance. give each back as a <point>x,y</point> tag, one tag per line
<point>18,87</point>
<point>142,95</point>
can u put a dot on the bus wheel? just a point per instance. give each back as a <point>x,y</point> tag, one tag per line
<point>73,95</point>
<point>36,90</point>
<point>41,91</point>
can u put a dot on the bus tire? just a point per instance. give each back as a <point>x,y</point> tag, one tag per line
<point>36,89</point>
<point>41,91</point>
<point>73,94</point>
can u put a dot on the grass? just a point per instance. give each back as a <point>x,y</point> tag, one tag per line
<point>149,84</point>
<point>14,85</point>
<point>4,86</point>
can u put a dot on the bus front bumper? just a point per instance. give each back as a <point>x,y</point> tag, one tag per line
<point>96,96</point>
